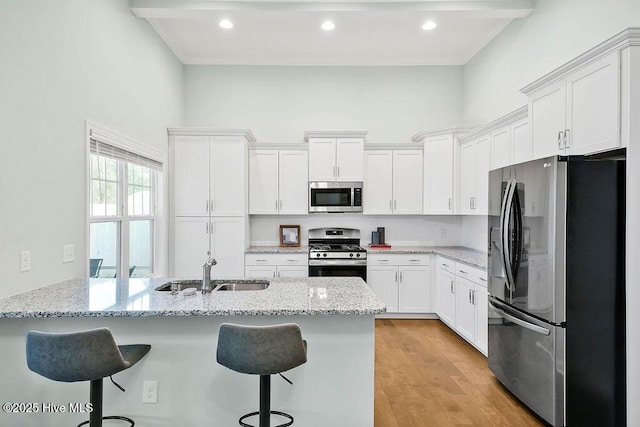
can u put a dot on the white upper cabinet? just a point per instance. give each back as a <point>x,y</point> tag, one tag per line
<point>278,182</point>
<point>335,158</point>
<point>577,110</point>
<point>521,147</point>
<point>501,147</point>
<point>392,182</point>
<point>438,175</point>
<point>209,175</point>
<point>475,162</point>
<point>407,182</point>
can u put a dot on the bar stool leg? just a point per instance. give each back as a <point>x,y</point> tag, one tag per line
<point>95,396</point>
<point>265,400</point>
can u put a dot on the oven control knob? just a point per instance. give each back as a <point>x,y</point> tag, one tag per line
<point>358,255</point>
<point>324,255</point>
<point>317,255</point>
<point>351,255</point>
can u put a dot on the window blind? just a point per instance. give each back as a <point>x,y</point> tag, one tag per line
<point>107,150</point>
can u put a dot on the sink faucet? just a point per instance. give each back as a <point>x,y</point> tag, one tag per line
<point>206,275</point>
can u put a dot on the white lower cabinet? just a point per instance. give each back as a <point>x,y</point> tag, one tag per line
<point>402,282</point>
<point>276,265</point>
<point>462,297</point>
<point>194,236</point>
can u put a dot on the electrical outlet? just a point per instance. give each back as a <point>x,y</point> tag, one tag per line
<point>68,253</point>
<point>443,233</point>
<point>150,392</point>
<point>25,261</point>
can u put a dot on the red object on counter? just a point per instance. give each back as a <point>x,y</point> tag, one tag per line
<point>380,246</point>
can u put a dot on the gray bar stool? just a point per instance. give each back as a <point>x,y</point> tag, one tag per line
<point>262,350</point>
<point>83,356</point>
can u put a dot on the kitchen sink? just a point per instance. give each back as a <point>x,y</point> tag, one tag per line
<point>219,285</point>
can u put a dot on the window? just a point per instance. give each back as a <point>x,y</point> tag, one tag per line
<point>123,190</point>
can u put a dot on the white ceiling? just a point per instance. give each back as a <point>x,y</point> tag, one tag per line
<point>368,32</point>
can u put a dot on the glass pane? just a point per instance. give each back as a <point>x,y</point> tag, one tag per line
<point>111,169</point>
<point>97,198</point>
<point>146,202</point>
<point>146,176</point>
<point>94,167</point>
<point>140,248</point>
<point>111,194</point>
<point>103,249</point>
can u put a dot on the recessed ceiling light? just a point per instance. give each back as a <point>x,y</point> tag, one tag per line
<point>429,25</point>
<point>226,24</point>
<point>328,25</point>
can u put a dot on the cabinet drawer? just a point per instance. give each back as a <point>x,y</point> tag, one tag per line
<point>475,275</point>
<point>398,259</point>
<point>276,259</point>
<point>446,264</point>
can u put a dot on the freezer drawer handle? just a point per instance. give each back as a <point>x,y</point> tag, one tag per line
<point>520,322</point>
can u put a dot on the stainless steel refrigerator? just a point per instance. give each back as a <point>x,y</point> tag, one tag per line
<point>556,287</point>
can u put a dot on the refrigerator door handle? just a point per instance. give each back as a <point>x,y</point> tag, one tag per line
<point>505,213</point>
<point>520,322</point>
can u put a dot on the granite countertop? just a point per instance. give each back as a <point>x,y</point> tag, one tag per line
<point>137,297</point>
<point>277,250</point>
<point>457,253</point>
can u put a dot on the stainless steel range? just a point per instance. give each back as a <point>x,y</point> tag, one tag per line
<point>336,252</point>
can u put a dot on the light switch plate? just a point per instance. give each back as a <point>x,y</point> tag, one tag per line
<point>68,253</point>
<point>25,261</point>
<point>150,392</point>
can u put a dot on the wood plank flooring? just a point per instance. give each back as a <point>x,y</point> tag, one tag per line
<point>426,375</point>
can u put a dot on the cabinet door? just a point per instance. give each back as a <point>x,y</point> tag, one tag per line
<point>191,243</point>
<point>258,271</point>
<point>593,107</point>
<point>414,289</point>
<point>446,297</point>
<point>500,147</point>
<point>227,247</point>
<point>407,182</point>
<point>228,178</point>
<point>263,182</point>
<point>383,280</point>
<point>378,182</point>
<point>468,176</point>
<point>322,159</point>
<point>292,271</point>
<point>483,159</point>
<point>521,147</point>
<point>547,119</point>
<point>294,182</point>
<point>465,310</point>
<point>349,159</point>
<point>191,175</point>
<point>481,302</point>
<point>438,175</point>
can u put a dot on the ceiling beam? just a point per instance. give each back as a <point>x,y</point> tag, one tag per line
<point>197,8</point>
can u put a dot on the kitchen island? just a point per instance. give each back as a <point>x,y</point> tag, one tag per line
<point>335,386</point>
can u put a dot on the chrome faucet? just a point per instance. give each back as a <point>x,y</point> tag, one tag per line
<point>206,275</point>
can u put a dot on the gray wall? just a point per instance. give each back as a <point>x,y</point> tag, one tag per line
<point>64,62</point>
<point>280,103</point>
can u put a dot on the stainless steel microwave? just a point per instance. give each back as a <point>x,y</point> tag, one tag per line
<point>335,196</point>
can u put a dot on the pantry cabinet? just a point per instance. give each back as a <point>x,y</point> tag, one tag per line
<point>392,182</point>
<point>278,182</point>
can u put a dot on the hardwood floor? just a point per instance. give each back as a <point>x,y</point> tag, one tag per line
<point>426,375</point>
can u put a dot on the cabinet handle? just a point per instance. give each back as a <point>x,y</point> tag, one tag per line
<point>211,228</point>
<point>401,276</point>
<point>394,205</point>
<point>566,139</point>
<point>473,297</point>
<point>482,278</point>
<point>383,260</point>
<point>211,206</point>
<point>261,260</point>
<point>390,204</point>
<point>445,265</point>
<point>280,203</point>
<point>274,274</point>
<point>338,171</point>
<point>560,135</point>
<point>414,260</point>
<point>470,297</point>
<point>451,287</point>
<point>396,277</point>
<point>470,202</point>
<point>462,271</point>
<point>276,204</point>
<point>291,260</point>
<point>207,227</point>
<point>449,203</point>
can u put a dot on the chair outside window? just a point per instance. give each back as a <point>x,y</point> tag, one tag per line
<point>94,266</point>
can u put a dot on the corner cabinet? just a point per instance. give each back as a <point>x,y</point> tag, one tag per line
<point>402,282</point>
<point>335,156</point>
<point>278,182</point>
<point>577,109</point>
<point>392,182</point>
<point>207,200</point>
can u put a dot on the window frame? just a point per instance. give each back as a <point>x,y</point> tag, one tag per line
<point>122,217</point>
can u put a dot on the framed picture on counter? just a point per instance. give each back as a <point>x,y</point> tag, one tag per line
<point>289,235</point>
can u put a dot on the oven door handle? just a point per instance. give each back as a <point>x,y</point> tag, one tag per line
<point>337,263</point>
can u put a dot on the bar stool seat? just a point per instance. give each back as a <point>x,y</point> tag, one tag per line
<point>83,356</point>
<point>262,350</point>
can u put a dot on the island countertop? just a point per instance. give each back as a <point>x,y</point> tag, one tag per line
<point>138,297</point>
